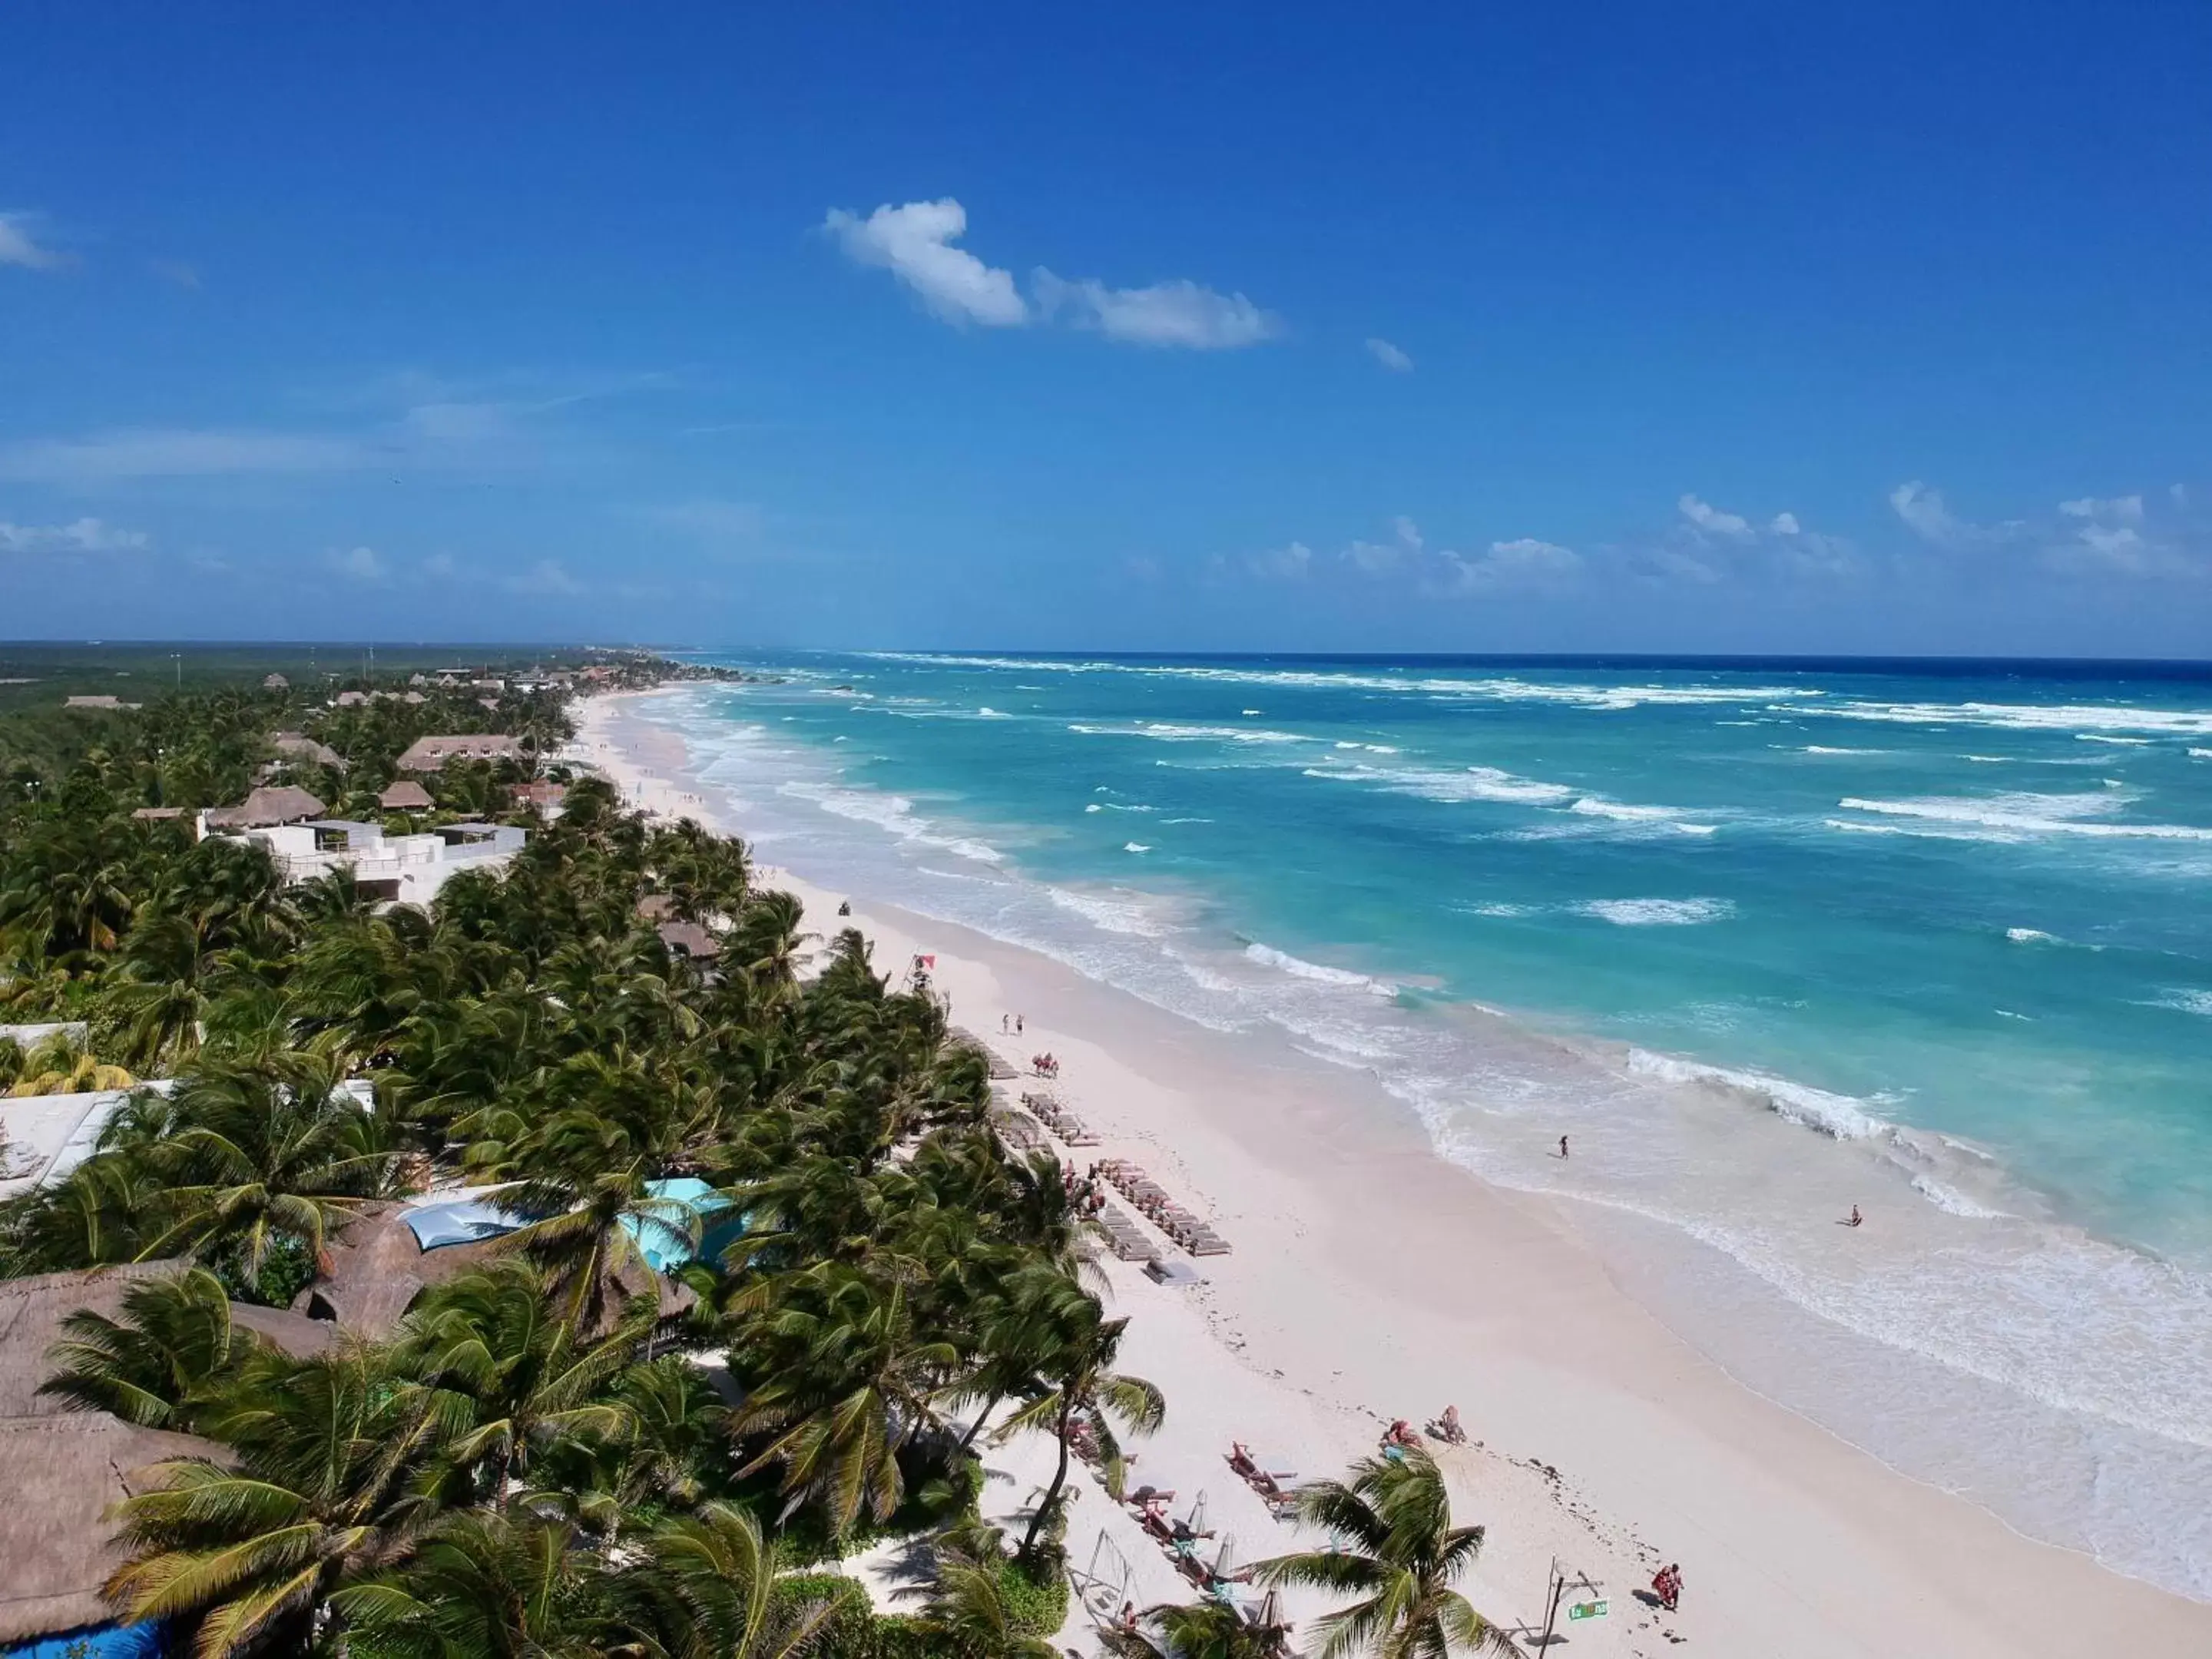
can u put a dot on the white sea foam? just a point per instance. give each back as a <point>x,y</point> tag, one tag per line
<point>1656,912</point>
<point>2025,717</point>
<point>2030,936</point>
<point>1504,911</point>
<point>2099,737</point>
<point>1839,1117</point>
<point>1616,812</point>
<point>1822,749</point>
<point>1504,688</point>
<point>893,813</point>
<point>1440,784</point>
<point>1135,846</point>
<point>2013,817</point>
<point>1094,807</point>
<point>1954,1202</point>
<point>2189,1001</point>
<point>2200,754</point>
<point>1175,732</point>
<point>1300,967</point>
<point>1118,912</point>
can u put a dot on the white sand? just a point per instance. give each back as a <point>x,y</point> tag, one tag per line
<point>1371,1279</point>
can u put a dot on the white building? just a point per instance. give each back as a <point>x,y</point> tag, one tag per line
<point>410,869</point>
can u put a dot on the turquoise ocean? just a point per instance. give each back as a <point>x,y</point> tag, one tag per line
<point>1766,938</point>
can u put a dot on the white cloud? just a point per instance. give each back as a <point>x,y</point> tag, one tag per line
<point>1377,557</point>
<point>81,536</point>
<point>18,247</point>
<point>1290,564</point>
<point>441,567</point>
<point>914,244</point>
<point>1785,524</point>
<point>1174,313</point>
<point>1389,356</point>
<point>1922,508</point>
<point>2120,509</point>
<point>1523,561</point>
<point>178,271</point>
<point>151,454</point>
<point>359,564</point>
<point>1712,520</point>
<point>546,576</point>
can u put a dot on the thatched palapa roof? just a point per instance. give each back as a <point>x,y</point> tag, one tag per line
<point>61,1470</point>
<point>428,754</point>
<point>689,938</point>
<point>265,808</point>
<point>405,796</point>
<point>378,1267</point>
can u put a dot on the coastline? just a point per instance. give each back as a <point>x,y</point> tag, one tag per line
<point>1370,1279</point>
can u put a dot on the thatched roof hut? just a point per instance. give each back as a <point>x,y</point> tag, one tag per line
<point>407,796</point>
<point>689,938</point>
<point>265,808</point>
<point>298,746</point>
<point>62,1476</point>
<point>378,1266</point>
<point>62,1470</point>
<point>428,754</point>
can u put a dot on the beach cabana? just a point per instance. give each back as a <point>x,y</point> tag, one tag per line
<point>407,796</point>
<point>265,809</point>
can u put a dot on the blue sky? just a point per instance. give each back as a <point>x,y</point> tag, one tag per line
<point>1609,326</point>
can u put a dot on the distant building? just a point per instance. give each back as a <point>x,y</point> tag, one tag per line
<point>261,810</point>
<point>155,813</point>
<point>428,754</point>
<point>297,745</point>
<point>351,699</point>
<point>102,702</point>
<point>545,797</point>
<point>407,796</point>
<point>689,938</point>
<point>404,869</point>
<point>276,683</point>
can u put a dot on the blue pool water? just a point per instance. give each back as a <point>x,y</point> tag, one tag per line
<point>1768,940</point>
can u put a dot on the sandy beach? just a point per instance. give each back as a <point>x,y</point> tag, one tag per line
<point>1370,1279</point>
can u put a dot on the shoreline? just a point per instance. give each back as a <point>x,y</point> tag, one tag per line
<point>1364,1285</point>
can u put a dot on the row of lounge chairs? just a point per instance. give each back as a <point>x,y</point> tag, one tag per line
<point>1170,1217</point>
<point>1125,1239</point>
<point>1057,1118</point>
<point>1017,1131</point>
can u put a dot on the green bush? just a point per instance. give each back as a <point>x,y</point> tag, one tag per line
<point>1037,1601</point>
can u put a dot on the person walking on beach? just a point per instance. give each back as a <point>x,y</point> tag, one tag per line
<point>1563,1146</point>
<point>1017,1024</point>
<point>1857,1218</point>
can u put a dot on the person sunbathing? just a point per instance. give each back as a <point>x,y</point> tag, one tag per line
<point>1240,1459</point>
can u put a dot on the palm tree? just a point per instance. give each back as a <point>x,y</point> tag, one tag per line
<point>173,1346</point>
<point>710,1591</point>
<point>1397,1551</point>
<point>508,1372</point>
<point>1195,1630</point>
<point>262,1153</point>
<point>1082,1390</point>
<point>842,1380</point>
<point>479,1584</point>
<point>329,1454</point>
<point>967,1609</point>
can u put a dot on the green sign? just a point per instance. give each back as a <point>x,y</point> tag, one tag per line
<point>1585,1610</point>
